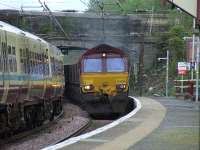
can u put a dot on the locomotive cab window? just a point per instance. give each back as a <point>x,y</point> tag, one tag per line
<point>115,65</point>
<point>92,65</point>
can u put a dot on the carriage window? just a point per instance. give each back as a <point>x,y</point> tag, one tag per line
<point>11,65</point>
<point>9,50</point>
<point>115,65</point>
<point>20,52</point>
<point>15,65</point>
<point>13,50</point>
<point>4,57</point>
<point>92,65</point>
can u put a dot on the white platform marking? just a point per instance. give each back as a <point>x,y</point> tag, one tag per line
<point>97,131</point>
<point>95,140</point>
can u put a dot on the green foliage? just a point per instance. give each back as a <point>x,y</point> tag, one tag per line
<point>173,41</point>
<point>23,24</point>
<point>142,5</point>
<point>177,31</point>
<point>176,42</point>
<point>66,24</point>
<point>177,18</point>
<point>176,47</point>
<point>46,28</point>
<point>125,5</point>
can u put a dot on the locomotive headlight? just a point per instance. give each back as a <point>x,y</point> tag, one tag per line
<point>104,54</point>
<point>121,86</point>
<point>88,87</point>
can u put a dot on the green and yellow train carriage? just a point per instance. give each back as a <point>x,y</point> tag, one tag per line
<point>31,79</point>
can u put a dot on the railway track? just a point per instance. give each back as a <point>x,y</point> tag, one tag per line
<point>27,133</point>
<point>72,123</point>
<point>92,124</point>
<point>76,133</point>
<point>64,126</point>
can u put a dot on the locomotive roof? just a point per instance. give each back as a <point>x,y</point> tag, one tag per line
<point>13,29</point>
<point>104,48</point>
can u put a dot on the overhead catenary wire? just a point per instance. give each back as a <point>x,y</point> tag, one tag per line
<point>46,8</point>
<point>118,3</point>
<point>84,3</point>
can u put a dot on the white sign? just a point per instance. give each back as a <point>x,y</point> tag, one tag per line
<point>183,66</point>
<point>190,6</point>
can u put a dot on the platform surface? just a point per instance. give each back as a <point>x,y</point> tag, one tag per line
<point>179,130</point>
<point>161,124</point>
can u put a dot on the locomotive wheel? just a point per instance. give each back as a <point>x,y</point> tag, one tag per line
<point>30,117</point>
<point>14,118</point>
<point>39,115</point>
<point>49,113</point>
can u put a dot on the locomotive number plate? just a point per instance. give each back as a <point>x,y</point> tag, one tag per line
<point>87,82</point>
<point>120,81</point>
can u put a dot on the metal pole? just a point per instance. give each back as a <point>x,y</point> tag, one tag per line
<point>167,73</point>
<point>151,22</point>
<point>197,72</point>
<point>182,84</point>
<point>193,41</point>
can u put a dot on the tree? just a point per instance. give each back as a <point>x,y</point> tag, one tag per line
<point>127,5</point>
<point>173,41</point>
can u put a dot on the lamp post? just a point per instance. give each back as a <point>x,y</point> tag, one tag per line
<point>167,72</point>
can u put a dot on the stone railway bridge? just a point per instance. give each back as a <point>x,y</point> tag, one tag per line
<point>132,32</point>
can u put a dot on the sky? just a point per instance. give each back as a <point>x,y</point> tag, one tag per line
<point>54,5</point>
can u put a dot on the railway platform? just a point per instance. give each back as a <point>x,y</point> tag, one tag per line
<point>160,124</point>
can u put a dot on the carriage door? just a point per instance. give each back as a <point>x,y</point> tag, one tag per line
<point>24,67</point>
<point>49,88</point>
<point>4,64</point>
<point>13,92</point>
<point>28,66</point>
<point>45,69</point>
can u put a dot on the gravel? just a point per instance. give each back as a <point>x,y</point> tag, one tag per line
<point>73,120</point>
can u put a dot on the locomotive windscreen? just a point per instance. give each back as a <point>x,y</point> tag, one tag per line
<point>93,65</point>
<point>115,65</point>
